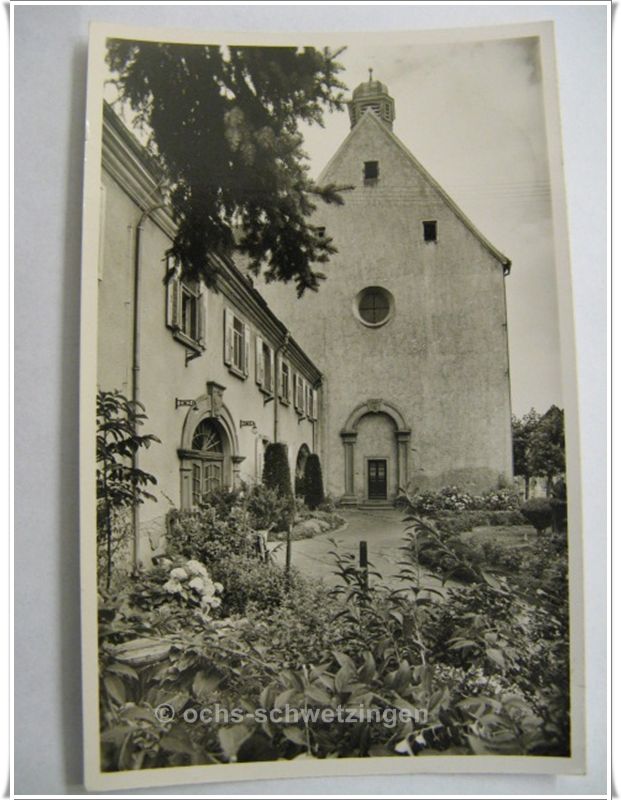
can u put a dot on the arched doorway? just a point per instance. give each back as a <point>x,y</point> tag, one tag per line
<point>376,442</point>
<point>209,455</point>
<point>208,467</point>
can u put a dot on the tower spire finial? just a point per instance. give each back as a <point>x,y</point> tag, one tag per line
<point>370,74</point>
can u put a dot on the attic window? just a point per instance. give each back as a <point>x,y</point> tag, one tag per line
<point>371,170</point>
<point>430,231</point>
<point>321,231</point>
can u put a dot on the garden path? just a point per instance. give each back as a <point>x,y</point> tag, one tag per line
<point>382,530</point>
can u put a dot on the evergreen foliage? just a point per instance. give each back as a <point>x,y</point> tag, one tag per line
<point>313,482</point>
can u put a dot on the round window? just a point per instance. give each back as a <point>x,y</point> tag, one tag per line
<point>374,306</point>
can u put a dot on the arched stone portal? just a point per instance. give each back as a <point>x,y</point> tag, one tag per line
<point>367,486</point>
<point>209,453</point>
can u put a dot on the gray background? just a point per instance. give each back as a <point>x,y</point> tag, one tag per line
<point>50,82</point>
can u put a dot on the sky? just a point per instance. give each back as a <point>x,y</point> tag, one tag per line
<point>472,113</point>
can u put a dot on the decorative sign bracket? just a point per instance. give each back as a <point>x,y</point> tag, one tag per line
<point>181,403</point>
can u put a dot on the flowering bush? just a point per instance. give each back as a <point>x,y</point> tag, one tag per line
<point>498,500</point>
<point>191,584</point>
<point>451,498</point>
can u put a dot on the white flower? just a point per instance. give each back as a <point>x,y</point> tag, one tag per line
<point>172,586</point>
<point>179,574</point>
<point>197,584</point>
<point>195,568</point>
<point>218,586</point>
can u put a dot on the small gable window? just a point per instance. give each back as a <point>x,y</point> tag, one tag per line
<point>430,230</point>
<point>371,170</point>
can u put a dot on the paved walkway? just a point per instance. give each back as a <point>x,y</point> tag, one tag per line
<point>382,530</point>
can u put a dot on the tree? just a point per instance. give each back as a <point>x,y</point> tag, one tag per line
<point>547,447</point>
<point>313,482</point>
<point>120,485</point>
<point>522,430</point>
<point>224,125</point>
<point>539,446</point>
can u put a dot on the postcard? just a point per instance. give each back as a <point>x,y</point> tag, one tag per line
<point>330,490</point>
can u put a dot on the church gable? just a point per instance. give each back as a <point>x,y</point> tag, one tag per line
<point>372,157</point>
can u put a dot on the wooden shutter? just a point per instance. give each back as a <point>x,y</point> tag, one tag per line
<point>314,395</point>
<point>201,317</point>
<point>173,301</point>
<point>259,370</point>
<point>246,358</point>
<point>272,386</point>
<point>228,336</point>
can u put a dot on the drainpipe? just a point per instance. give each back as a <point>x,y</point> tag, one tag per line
<point>136,370</point>
<point>280,351</point>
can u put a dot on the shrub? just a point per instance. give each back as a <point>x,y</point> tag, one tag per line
<point>558,501</point>
<point>202,535</point>
<point>451,498</point>
<point>265,507</point>
<point>538,511</point>
<point>499,500</point>
<point>461,522</point>
<point>276,476</point>
<point>313,482</point>
<point>328,505</point>
<point>248,580</point>
<point>223,501</point>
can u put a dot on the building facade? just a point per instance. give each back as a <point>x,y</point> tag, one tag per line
<point>409,328</point>
<point>219,374</point>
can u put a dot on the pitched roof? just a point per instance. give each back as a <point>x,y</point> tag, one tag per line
<point>369,118</point>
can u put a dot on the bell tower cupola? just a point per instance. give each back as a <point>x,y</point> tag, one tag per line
<point>371,96</point>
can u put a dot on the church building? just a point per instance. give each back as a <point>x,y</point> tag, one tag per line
<point>396,372</point>
<point>409,329</point>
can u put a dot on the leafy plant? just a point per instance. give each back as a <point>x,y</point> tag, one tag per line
<point>120,483</point>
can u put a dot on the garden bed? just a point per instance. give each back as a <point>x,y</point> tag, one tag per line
<point>310,524</point>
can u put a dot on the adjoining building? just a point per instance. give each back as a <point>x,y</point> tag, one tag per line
<point>219,374</point>
<point>410,327</point>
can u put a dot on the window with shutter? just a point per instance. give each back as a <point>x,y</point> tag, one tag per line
<point>236,344</point>
<point>185,308</point>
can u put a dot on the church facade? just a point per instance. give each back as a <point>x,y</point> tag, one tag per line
<point>409,328</point>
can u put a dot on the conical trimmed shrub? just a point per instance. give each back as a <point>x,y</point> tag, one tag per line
<point>313,482</point>
<point>277,476</point>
